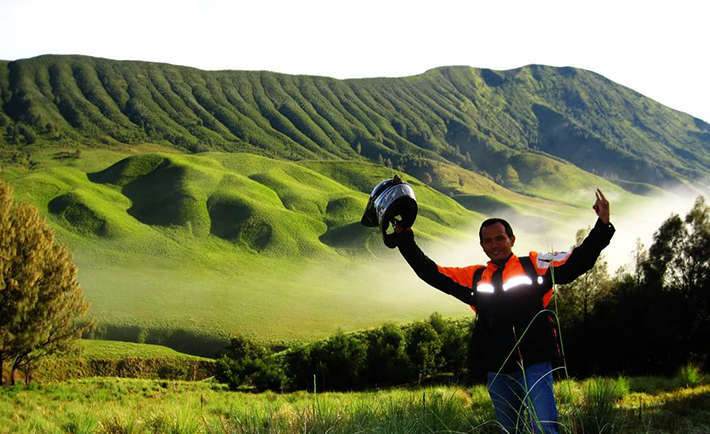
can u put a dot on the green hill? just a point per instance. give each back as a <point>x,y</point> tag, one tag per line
<point>202,204</point>
<point>221,243</point>
<point>490,122</point>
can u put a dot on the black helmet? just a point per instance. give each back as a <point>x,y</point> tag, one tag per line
<point>389,199</point>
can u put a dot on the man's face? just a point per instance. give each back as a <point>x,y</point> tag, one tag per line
<point>496,243</point>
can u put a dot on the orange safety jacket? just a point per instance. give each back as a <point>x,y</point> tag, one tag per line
<point>513,325</point>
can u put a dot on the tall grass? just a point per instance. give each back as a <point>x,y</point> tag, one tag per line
<point>600,395</point>
<point>154,406</point>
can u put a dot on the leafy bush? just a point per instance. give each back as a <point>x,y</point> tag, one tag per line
<point>386,356</point>
<point>689,375</point>
<point>340,361</point>
<point>242,360</point>
<point>424,348</point>
<point>387,360</point>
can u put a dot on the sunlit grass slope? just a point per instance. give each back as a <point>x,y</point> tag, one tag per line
<point>238,243</point>
<point>102,349</point>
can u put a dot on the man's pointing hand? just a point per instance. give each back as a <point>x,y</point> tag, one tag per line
<point>601,207</point>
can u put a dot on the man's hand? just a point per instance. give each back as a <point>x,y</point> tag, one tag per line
<point>398,229</point>
<point>393,239</point>
<point>601,207</point>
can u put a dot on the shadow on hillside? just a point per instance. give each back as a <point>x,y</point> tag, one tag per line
<point>182,340</point>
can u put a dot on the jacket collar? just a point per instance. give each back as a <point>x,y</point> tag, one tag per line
<point>495,264</point>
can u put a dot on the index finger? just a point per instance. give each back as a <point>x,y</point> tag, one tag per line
<point>600,195</point>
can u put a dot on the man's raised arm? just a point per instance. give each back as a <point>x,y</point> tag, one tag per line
<point>584,256</point>
<point>458,286</point>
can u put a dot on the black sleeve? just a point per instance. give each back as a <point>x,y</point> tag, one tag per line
<point>427,270</point>
<point>584,256</point>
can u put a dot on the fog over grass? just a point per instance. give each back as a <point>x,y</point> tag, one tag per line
<point>634,219</point>
<point>393,285</point>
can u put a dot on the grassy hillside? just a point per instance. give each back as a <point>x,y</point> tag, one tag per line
<point>496,123</point>
<point>214,244</point>
<point>101,349</point>
<point>100,358</point>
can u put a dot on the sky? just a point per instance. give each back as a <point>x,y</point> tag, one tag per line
<point>658,48</point>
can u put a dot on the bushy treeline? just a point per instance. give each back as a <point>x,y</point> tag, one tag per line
<point>648,321</point>
<point>654,318</point>
<point>386,356</point>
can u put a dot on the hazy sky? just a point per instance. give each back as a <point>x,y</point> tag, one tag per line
<point>659,48</point>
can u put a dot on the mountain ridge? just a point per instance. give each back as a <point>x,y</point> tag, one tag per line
<point>476,118</point>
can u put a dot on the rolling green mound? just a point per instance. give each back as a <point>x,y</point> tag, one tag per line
<point>100,358</point>
<point>221,243</point>
<point>73,210</point>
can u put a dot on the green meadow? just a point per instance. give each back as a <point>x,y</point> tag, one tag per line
<point>225,243</point>
<point>113,405</point>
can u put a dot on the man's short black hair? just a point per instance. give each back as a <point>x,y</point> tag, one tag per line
<point>489,222</point>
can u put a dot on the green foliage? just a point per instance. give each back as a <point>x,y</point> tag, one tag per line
<point>339,362</point>
<point>179,339</point>
<point>689,375</point>
<point>424,348</point>
<point>210,257</point>
<point>574,305</point>
<point>388,355</point>
<point>110,349</point>
<point>41,302</point>
<point>387,360</point>
<point>666,297</point>
<point>97,358</point>
<point>80,217</point>
<point>246,363</point>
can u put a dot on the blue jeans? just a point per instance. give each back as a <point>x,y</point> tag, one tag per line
<point>524,400</point>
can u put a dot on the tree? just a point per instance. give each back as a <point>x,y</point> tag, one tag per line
<point>427,179</point>
<point>678,265</point>
<point>340,362</point>
<point>660,320</point>
<point>576,302</point>
<point>387,361</point>
<point>246,362</point>
<point>577,299</point>
<point>41,301</point>
<point>424,348</point>
<point>640,256</point>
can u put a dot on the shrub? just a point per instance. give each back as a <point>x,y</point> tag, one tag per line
<point>267,374</point>
<point>387,361</point>
<point>424,348</point>
<point>689,375</point>
<point>239,362</point>
<point>340,362</point>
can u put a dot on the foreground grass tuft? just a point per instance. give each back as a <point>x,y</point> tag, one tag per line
<point>103,405</point>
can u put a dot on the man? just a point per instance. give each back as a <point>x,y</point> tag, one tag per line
<point>515,335</point>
